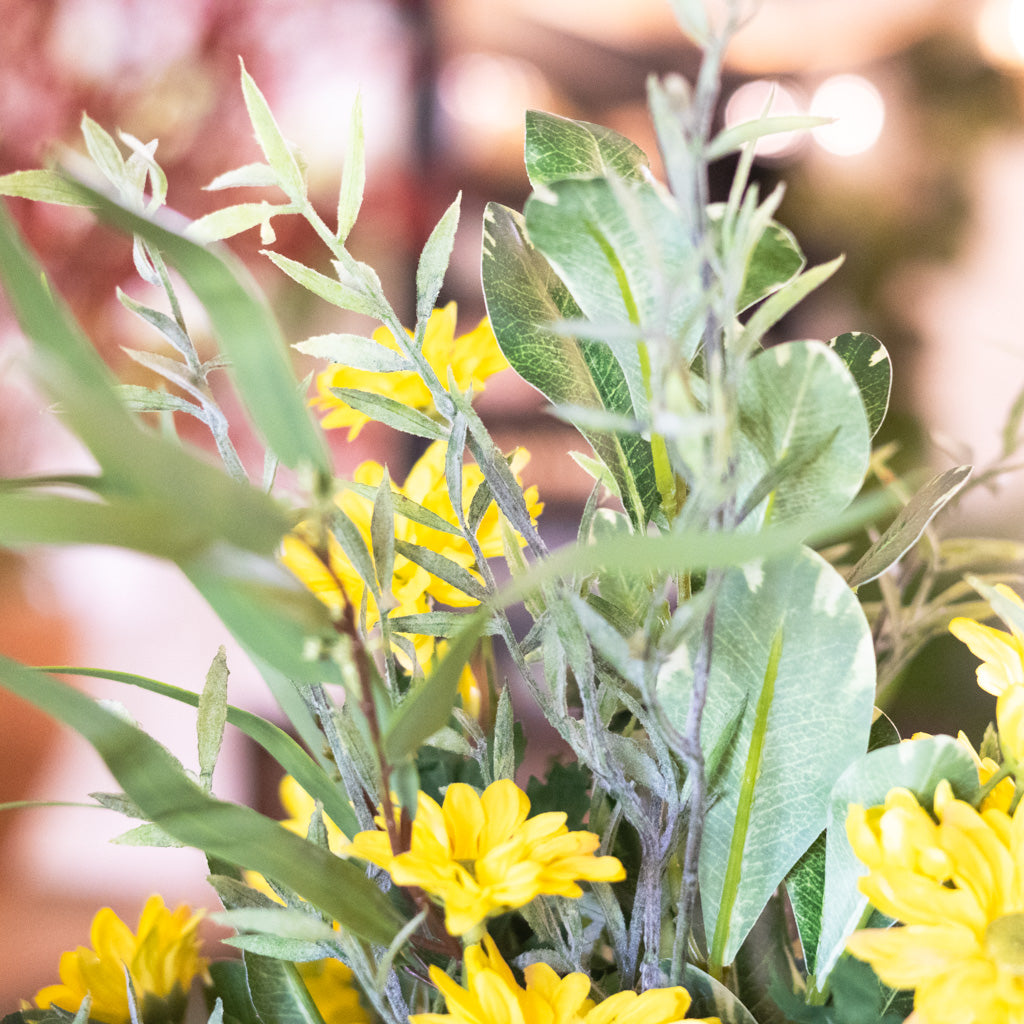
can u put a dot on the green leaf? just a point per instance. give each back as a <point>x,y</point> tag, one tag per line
<point>354,351</point>
<point>712,998</point>
<point>868,362</point>
<point>524,298</point>
<point>428,706</point>
<point>44,187</point>
<point>239,835</point>
<point>1006,608</point>
<point>443,568</point>
<point>213,714</point>
<point>278,153</point>
<point>248,334</point>
<point>434,259</point>
<point>233,220</point>
<point>230,985</point>
<point>142,399</point>
<point>805,885</point>
<point>917,765</point>
<point>776,259</point>
<point>559,148</point>
<point>443,624</point>
<point>353,175</point>
<point>105,155</point>
<point>391,412</point>
<point>278,993</point>
<point>167,326</point>
<point>816,723</point>
<point>285,922</point>
<point>792,398</point>
<point>358,300</point>
<point>728,140</point>
<point>906,529</point>
<point>405,507</point>
<point>382,534</point>
<point>776,306</point>
<point>249,176</point>
<point>276,742</point>
<point>622,253</point>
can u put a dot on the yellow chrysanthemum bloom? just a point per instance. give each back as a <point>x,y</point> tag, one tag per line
<point>472,358</point>
<point>493,996</point>
<point>479,855</point>
<point>413,588</point>
<point>957,884</point>
<point>1001,653</point>
<point>330,983</point>
<point>162,956</point>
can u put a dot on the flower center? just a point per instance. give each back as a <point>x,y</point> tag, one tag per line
<point>1004,941</point>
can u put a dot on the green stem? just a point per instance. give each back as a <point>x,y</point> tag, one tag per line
<point>734,867</point>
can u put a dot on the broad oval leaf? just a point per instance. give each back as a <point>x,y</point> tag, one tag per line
<point>559,147</point>
<point>917,765</point>
<point>524,299</point>
<point>816,722</point>
<point>870,366</point>
<point>799,408</point>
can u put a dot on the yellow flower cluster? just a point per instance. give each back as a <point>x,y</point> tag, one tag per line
<point>472,358</point>
<point>958,886</point>
<point>1000,673</point>
<point>413,588</point>
<point>480,855</point>
<point>161,955</point>
<point>493,995</point>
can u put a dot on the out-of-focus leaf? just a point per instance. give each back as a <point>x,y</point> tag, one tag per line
<point>249,176</point>
<point>233,220</point>
<point>559,148</point>
<point>212,716</point>
<point>44,187</point>
<point>143,399</point>
<point>428,707</point>
<point>278,993</point>
<point>728,140</point>
<point>166,325</point>
<point>239,835</point>
<point>353,174</point>
<point>906,529</point>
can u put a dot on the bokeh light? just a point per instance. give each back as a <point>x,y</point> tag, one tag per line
<point>748,102</point>
<point>859,112</point>
<point>1001,32</point>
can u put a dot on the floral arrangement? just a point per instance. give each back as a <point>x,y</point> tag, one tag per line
<point>737,834</point>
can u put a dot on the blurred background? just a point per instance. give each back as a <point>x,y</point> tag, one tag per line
<point>918,182</point>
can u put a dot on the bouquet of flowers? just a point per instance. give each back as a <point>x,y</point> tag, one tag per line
<point>738,834</point>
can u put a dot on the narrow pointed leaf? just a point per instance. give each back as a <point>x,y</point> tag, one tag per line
<point>328,288</point>
<point>354,351</point>
<point>249,176</point>
<point>906,529</point>
<point>434,259</point>
<point>212,717</point>
<point>353,174</point>
<point>443,568</point>
<point>275,149</point>
<point>382,534</point>
<point>44,187</point>
<point>393,413</point>
<point>233,220</point>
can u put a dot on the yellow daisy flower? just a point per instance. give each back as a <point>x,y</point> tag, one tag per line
<point>479,855</point>
<point>957,884</point>
<point>414,589</point>
<point>1001,653</point>
<point>162,956</point>
<point>472,358</point>
<point>330,983</point>
<point>493,996</point>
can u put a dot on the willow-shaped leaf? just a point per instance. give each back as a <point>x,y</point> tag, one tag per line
<point>239,835</point>
<point>559,148</point>
<point>328,288</point>
<point>278,153</point>
<point>395,414</point>
<point>212,716</point>
<point>433,262</point>
<point>906,529</point>
<point>791,622</point>
<point>443,568</point>
<point>354,351</point>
